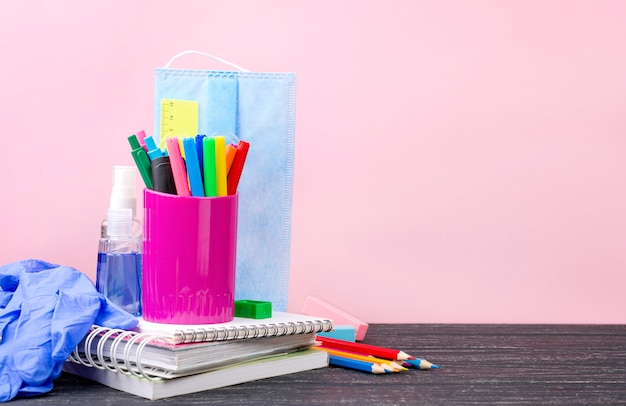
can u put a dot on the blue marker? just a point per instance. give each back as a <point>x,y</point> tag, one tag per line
<point>153,151</point>
<point>193,167</point>
<point>199,151</point>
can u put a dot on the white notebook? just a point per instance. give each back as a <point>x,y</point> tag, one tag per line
<point>281,323</point>
<point>168,351</point>
<point>244,372</point>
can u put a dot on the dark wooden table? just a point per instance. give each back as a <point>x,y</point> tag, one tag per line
<point>480,364</point>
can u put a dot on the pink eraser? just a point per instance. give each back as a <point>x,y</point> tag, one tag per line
<point>314,306</point>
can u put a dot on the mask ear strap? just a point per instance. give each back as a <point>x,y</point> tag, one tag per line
<point>167,65</point>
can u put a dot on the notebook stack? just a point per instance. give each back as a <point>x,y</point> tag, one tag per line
<point>157,360</point>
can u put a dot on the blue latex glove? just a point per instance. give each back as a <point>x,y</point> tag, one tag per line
<point>45,310</point>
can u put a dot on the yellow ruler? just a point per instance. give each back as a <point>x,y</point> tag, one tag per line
<point>179,118</point>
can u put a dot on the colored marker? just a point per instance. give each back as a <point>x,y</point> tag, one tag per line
<point>141,135</point>
<point>220,165</point>
<point>364,366</point>
<point>231,150</point>
<point>237,167</point>
<point>141,160</point>
<point>210,181</point>
<point>162,177</point>
<point>193,167</point>
<point>178,167</point>
<point>153,151</point>
<point>200,153</point>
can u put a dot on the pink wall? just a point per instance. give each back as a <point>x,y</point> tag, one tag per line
<point>456,161</point>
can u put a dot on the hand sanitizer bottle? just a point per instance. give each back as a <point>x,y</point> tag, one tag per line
<point>118,276</point>
<point>123,196</point>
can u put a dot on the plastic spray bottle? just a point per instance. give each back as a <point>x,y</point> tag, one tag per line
<point>118,276</point>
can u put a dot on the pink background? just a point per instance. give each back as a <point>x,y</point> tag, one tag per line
<point>456,161</point>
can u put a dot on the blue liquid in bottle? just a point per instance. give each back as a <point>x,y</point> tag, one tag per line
<point>119,279</point>
<point>118,276</point>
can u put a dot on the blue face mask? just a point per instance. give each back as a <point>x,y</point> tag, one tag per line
<point>258,108</point>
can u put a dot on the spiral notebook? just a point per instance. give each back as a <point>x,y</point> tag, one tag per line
<point>155,350</point>
<point>266,367</point>
<point>280,324</point>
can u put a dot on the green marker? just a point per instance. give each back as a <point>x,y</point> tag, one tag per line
<point>210,175</point>
<point>141,160</point>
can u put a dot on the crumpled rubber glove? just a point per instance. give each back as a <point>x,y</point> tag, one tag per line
<point>45,311</point>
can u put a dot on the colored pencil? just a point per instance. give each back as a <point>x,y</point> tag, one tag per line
<point>421,364</point>
<point>370,367</point>
<point>394,364</point>
<point>386,364</point>
<point>374,350</point>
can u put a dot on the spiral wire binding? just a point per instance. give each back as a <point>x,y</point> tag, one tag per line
<point>251,331</point>
<point>130,365</point>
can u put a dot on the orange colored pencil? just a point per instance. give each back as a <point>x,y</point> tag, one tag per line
<point>386,364</point>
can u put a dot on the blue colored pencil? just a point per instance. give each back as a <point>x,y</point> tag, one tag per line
<point>421,363</point>
<point>364,366</point>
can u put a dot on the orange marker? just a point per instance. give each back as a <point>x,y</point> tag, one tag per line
<point>231,150</point>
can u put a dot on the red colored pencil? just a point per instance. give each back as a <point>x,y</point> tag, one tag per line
<point>376,351</point>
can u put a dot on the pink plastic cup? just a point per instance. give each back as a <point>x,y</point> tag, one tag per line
<point>189,258</point>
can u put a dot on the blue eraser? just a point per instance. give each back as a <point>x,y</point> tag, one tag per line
<point>345,332</point>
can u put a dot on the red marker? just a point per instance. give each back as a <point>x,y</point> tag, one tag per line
<point>237,167</point>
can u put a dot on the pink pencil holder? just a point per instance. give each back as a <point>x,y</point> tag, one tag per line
<point>189,258</point>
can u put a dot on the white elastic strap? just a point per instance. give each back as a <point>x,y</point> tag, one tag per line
<point>167,65</point>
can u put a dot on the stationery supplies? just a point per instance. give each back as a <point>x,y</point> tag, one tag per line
<point>358,365</point>
<point>159,355</point>
<point>162,175</point>
<point>387,365</point>
<point>374,351</point>
<point>220,165</point>
<point>179,170</point>
<point>239,160</point>
<point>257,107</point>
<point>178,118</point>
<point>189,257</point>
<point>193,167</point>
<point>140,156</point>
<point>316,306</point>
<point>280,324</point>
<point>210,176</point>
<point>267,367</point>
<point>341,332</point>
<point>253,309</point>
